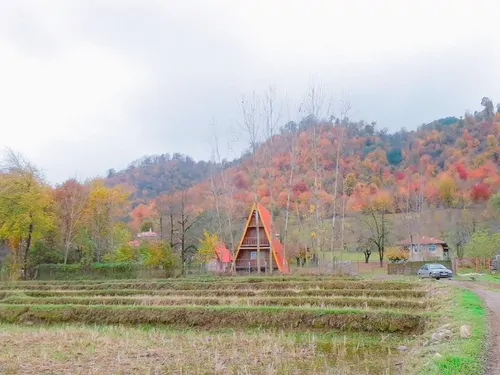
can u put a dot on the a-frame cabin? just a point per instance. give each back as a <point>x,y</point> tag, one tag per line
<point>259,230</point>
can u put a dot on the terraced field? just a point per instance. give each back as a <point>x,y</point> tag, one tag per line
<point>222,326</point>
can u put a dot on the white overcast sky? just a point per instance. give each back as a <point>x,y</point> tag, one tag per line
<point>90,85</point>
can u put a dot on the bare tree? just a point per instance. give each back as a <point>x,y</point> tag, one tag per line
<point>313,104</point>
<point>223,191</point>
<point>291,138</point>
<point>214,174</point>
<point>186,222</point>
<point>272,114</point>
<point>72,198</point>
<point>167,211</point>
<point>377,225</point>
<point>250,125</point>
<point>345,107</point>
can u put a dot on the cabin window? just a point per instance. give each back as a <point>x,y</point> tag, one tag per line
<point>253,255</point>
<point>432,248</point>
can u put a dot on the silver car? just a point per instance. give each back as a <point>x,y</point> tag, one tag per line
<point>434,270</point>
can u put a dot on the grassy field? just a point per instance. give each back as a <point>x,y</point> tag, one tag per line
<point>460,356</point>
<point>484,277</point>
<point>268,325</point>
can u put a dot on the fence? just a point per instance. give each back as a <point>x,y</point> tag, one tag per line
<point>472,265</point>
<point>98,271</point>
<point>411,268</point>
<point>336,267</point>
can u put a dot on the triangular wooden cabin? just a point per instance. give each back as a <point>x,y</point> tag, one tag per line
<point>271,249</point>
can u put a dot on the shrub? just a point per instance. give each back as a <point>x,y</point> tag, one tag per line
<point>160,254</point>
<point>396,255</point>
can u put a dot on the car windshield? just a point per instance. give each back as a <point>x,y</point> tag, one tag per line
<point>434,266</point>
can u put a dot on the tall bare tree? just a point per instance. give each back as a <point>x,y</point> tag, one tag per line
<point>251,127</point>
<point>71,200</point>
<point>222,190</point>
<point>345,107</point>
<point>215,168</point>
<point>313,105</point>
<point>291,139</point>
<point>186,220</point>
<point>271,114</point>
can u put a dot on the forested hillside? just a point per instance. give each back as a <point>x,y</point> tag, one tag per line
<point>155,175</point>
<point>313,175</point>
<point>317,169</point>
<point>463,149</point>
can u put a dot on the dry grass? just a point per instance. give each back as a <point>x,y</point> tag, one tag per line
<point>271,326</point>
<point>118,350</point>
<point>403,294</point>
<point>146,300</point>
<point>198,279</point>
<point>270,285</point>
<point>217,317</point>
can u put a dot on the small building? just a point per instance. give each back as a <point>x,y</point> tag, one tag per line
<point>259,246</point>
<point>423,248</point>
<point>223,260</point>
<point>144,236</point>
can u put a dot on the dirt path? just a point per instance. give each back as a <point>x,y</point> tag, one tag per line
<point>492,301</point>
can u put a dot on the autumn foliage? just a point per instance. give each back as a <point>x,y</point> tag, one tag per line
<point>449,163</point>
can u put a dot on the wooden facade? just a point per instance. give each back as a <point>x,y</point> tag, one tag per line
<point>259,242</point>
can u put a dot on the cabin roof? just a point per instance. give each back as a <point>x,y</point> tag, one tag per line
<point>223,253</point>
<point>422,240</point>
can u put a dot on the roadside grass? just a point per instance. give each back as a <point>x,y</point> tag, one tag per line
<point>487,277</point>
<point>462,356</point>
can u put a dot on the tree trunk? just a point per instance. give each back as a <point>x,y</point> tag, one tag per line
<point>161,227</point>
<point>66,251</point>
<point>382,242</point>
<point>172,231</point>
<point>27,249</point>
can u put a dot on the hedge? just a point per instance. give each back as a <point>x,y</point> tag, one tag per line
<point>97,271</point>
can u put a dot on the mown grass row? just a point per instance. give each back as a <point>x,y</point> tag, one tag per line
<point>402,294</point>
<point>331,302</point>
<point>368,285</point>
<point>284,318</point>
<point>199,279</point>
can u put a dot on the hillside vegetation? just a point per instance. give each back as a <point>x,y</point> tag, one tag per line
<point>330,183</point>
